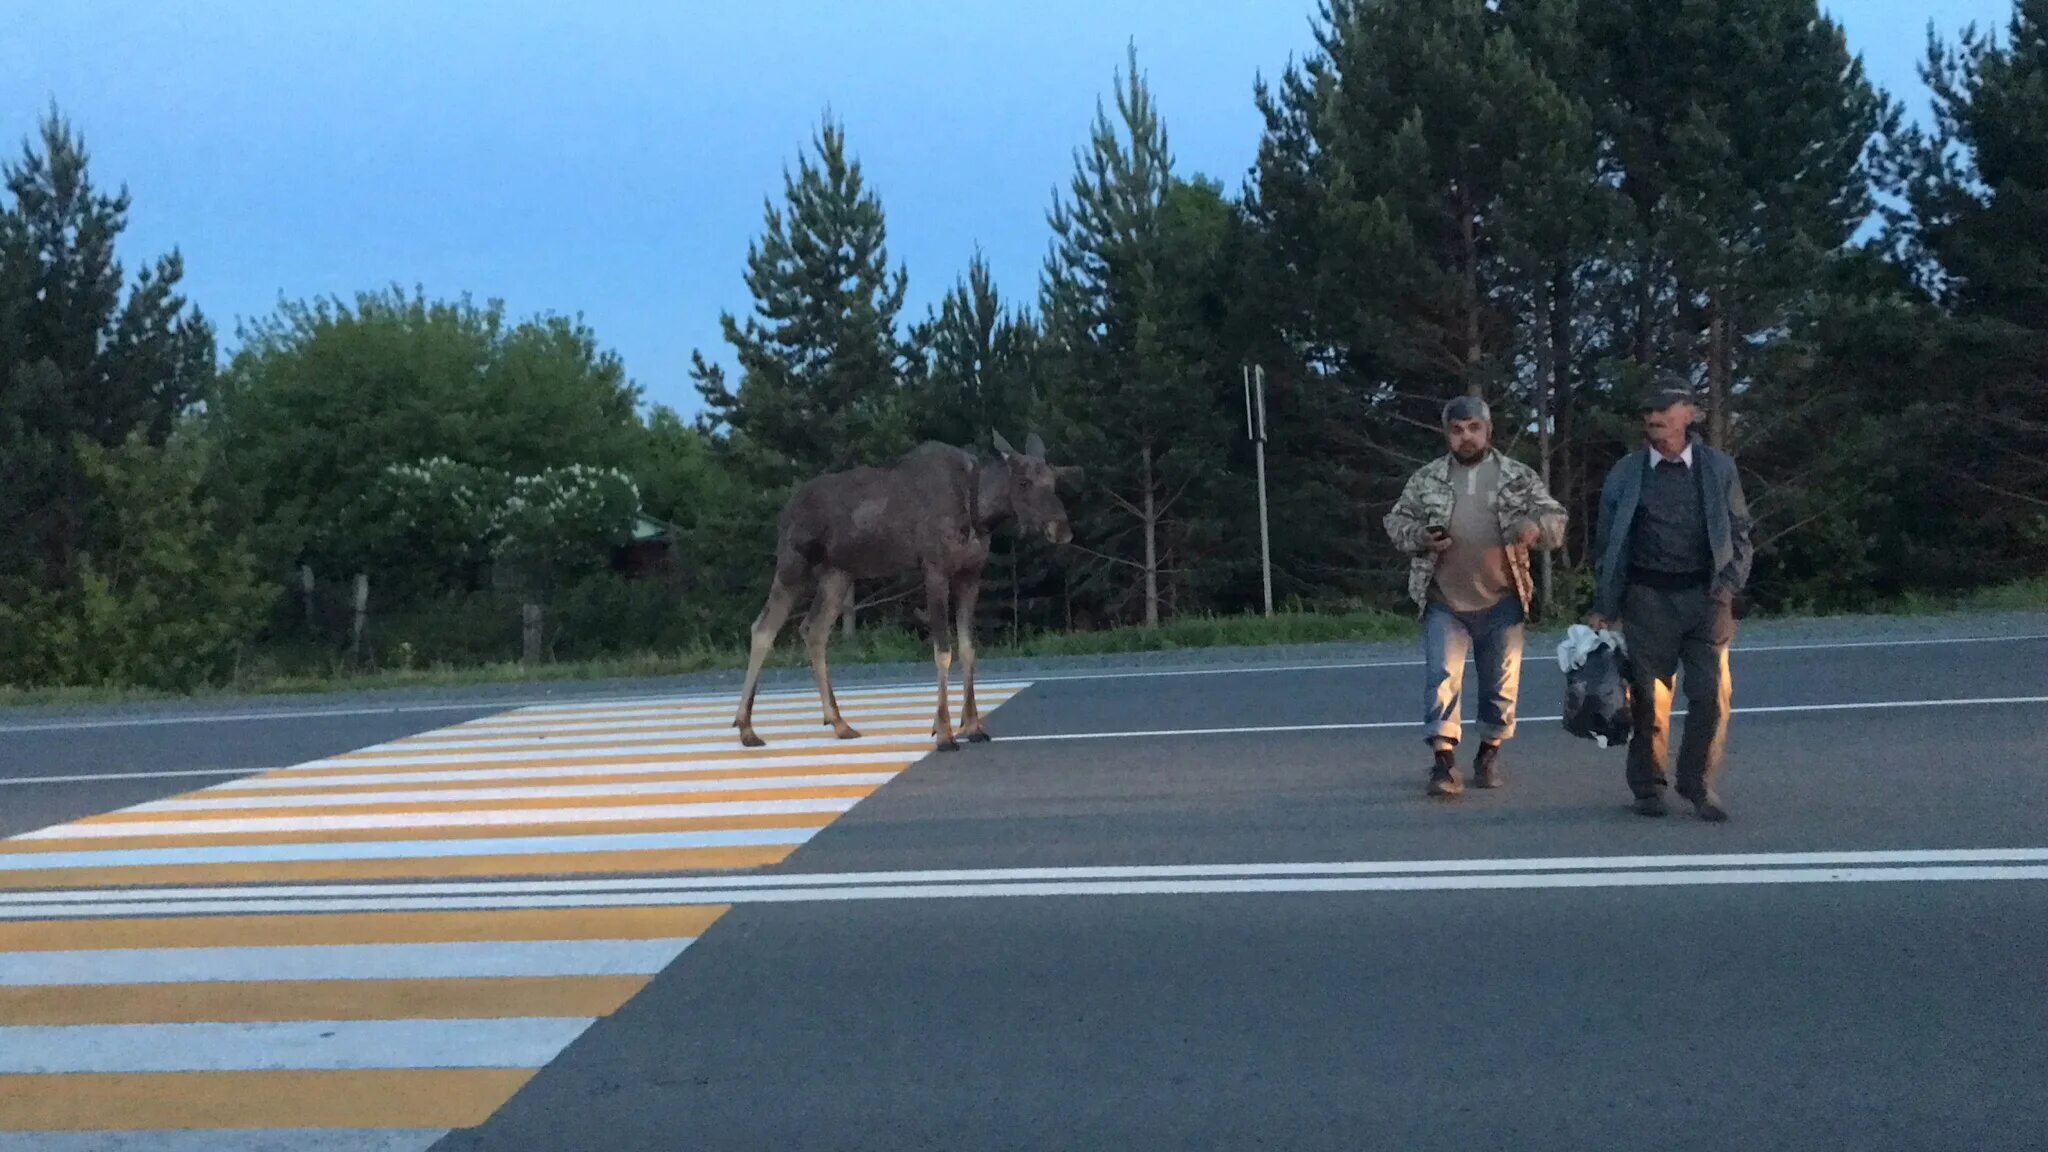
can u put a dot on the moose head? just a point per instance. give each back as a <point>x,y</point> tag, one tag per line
<point>1034,500</point>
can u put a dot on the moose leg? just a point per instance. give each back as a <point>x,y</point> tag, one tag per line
<point>826,607</point>
<point>942,656</point>
<point>965,592</point>
<point>781,598</point>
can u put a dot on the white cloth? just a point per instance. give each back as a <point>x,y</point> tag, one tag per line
<point>1580,641</point>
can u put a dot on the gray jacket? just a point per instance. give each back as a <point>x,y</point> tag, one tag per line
<point>1728,524</point>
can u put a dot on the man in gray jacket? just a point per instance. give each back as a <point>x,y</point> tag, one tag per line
<point>1671,552</point>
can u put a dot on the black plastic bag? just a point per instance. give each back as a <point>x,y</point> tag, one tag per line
<point>1596,698</point>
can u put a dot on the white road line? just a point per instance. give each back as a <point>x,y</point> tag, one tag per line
<point>666,767</point>
<point>227,1140</point>
<point>271,778</point>
<point>1382,725</point>
<point>711,703</point>
<point>259,898</point>
<point>298,1045</point>
<point>228,801</point>
<point>89,777</point>
<point>820,743</point>
<point>403,849</point>
<point>487,818</point>
<point>459,961</point>
<point>1210,887</point>
<point>493,707</point>
<point>543,743</point>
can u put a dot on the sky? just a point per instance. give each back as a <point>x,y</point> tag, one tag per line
<point>613,159</point>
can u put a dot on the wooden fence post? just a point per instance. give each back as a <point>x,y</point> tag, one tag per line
<point>362,617</point>
<point>530,634</point>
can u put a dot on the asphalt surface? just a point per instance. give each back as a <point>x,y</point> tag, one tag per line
<point>1688,1015</point>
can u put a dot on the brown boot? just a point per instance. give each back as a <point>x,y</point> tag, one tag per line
<point>1486,767</point>
<point>1443,775</point>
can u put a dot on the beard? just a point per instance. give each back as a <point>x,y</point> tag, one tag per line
<point>1469,458</point>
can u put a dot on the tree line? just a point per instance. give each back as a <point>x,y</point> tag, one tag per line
<point>1547,203</point>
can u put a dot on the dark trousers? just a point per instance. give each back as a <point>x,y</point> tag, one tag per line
<point>1667,630</point>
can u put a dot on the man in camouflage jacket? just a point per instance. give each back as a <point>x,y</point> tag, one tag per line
<point>1468,520</point>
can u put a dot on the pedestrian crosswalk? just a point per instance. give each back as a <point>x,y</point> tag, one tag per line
<point>382,1030</point>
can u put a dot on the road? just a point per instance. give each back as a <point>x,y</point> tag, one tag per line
<point>1166,908</point>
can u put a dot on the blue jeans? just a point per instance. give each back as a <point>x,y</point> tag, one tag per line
<point>1493,638</point>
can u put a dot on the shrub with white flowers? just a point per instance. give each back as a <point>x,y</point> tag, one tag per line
<point>565,520</point>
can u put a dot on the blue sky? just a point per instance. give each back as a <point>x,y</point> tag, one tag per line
<point>612,158</point>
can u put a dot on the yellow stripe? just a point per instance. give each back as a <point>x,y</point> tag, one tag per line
<point>475,999</point>
<point>847,705</point>
<point>508,728</point>
<point>401,1098</point>
<point>569,760</point>
<point>141,840</point>
<point>665,923</point>
<point>563,781</point>
<point>274,872</point>
<point>141,820</point>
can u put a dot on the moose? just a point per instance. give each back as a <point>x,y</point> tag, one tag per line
<point>931,512</point>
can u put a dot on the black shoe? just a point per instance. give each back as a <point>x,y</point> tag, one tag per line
<point>1652,805</point>
<point>1443,775</point>
<point>1709,807</point>
<point>1486,767</point>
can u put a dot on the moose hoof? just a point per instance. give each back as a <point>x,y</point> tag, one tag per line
<point>978,737</point>
<point>752,741</point>
<point>949,745</point>
<point>846,733</point>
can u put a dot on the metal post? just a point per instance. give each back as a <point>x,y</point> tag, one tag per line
<point>1255,428</point>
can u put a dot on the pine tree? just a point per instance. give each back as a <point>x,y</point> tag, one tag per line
<point>78,361</point>
<point>978,362</point>
<point>821,362</point>
<point>1972,224</point>
<point>1740,140</point>
<point>1128,391</point>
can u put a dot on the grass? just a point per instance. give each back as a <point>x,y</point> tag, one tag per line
<point>893,646</point>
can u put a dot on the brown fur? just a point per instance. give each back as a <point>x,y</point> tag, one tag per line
<point>932,512</point>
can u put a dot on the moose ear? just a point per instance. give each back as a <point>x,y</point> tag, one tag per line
<point>1002,445</point>
<point>1034,446</point>
<point>1071,473</point>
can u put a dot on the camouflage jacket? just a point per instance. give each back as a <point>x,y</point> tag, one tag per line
<point>1521,498</point>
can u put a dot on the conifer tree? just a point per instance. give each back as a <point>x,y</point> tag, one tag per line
<point>821,362</point>
<point>78,360</point>
<point>1129,392</point>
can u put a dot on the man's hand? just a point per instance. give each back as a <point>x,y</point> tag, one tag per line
<point>1527,533</point>
<point>1437,545</point>
<point>1597,622</point>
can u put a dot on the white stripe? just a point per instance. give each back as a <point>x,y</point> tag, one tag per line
<point>907,693</point>
<point>569,772</point>
<point>457,961</point>
<point>543,742</point>
<point>491,818</point>
<point>311,1045</point>
<point>228,1140</point>
<point>86,777</point>
<point>632,722</point>
<point>598,701</point>
<point>1217,886</point>
<point>720,715</point>
<point>212,801</point>
<point>405,849</point>
<point>699,884</point>
<point>907,736</point>
<point>1382,725</point>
